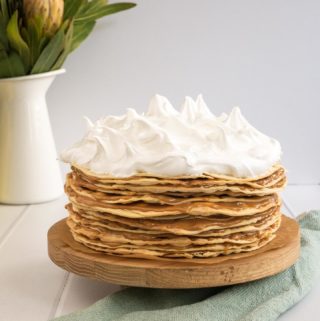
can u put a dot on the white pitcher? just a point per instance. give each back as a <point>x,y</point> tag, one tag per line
<point>29,169</point>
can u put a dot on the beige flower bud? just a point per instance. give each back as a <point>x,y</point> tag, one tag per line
<point>50,11</point>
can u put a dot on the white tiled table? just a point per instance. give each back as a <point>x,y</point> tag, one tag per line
<point>32,288</point>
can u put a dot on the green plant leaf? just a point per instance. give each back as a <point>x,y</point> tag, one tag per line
<point>104,11</point>
<point>81,32</point>
<point>34,44</point>
<point>43,43</point>
<point>4,10</point>
<point>16,41</point>
<point>71,7</point>
<point>3,52</point>
<point>25,35</point>
<point>8,7</point>
<point>50,53</point>
<point>34,38</point>
<point>11,66</point>
<point>67,47</point>
<point>91,6</point>
<point>3,33</point>
<point>13,5</point>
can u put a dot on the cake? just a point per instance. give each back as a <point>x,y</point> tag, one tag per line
<point>174,184</point>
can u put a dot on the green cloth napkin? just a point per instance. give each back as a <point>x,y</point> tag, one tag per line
<point>262,300</point>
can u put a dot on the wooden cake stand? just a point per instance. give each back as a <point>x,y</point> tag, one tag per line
<point>271,259</point>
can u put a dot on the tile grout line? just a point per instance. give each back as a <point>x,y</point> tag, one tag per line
<point>59,300</point>
<point>288,207</point>
<point>303,184</point>
<point>13,225</point>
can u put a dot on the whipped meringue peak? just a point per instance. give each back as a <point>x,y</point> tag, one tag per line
<point>167,142</point>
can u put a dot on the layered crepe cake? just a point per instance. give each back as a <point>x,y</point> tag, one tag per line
<point>174,184</point>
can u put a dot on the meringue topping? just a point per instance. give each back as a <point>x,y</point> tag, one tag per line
<point>166,142</point>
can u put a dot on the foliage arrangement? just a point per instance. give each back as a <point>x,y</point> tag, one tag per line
<point>37,35</point>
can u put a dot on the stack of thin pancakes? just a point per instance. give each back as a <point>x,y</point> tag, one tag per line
<point>145,216</point>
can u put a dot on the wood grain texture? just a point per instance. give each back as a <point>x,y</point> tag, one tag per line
<point>273,258</point>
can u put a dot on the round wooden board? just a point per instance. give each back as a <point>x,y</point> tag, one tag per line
<point>273,258</point>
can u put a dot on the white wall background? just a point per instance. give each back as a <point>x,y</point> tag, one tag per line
<point>261,55</point>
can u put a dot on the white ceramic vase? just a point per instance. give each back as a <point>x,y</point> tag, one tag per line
<point>29,169</point>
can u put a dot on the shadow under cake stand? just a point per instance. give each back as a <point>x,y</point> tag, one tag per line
<point>276,256</point>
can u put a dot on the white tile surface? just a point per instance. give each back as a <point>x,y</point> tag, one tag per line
<point>8,217</point>
<point>29,282</point>
<point>87,292</point>
<point>307,309</point>
<point>32,288</point>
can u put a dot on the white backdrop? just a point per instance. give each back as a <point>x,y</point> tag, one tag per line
<point>261,55</point>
